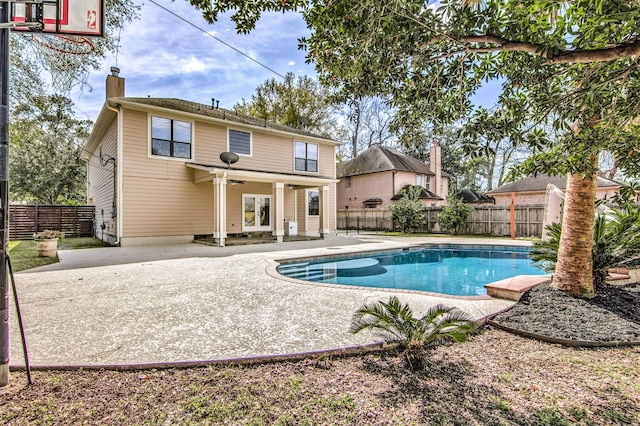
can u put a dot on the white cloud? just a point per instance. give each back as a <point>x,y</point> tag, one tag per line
<point>193,65</point>
<point>164,56</point>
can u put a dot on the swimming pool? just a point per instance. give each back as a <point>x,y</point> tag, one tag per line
<point>445,269</point>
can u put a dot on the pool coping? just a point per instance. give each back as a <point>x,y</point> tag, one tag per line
<point>272,271</point>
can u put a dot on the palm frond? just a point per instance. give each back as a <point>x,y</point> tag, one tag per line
<point>390,321</point>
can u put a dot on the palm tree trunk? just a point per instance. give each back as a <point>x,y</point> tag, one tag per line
<point>575,263</point>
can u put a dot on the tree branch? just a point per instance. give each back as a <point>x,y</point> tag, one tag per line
<point>564,56</point>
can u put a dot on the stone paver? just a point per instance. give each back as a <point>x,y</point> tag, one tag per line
<point>192,302</point>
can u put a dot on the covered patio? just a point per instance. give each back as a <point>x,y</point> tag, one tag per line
<point>259,211</point>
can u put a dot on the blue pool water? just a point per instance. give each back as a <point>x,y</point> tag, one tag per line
<point>454,270</point>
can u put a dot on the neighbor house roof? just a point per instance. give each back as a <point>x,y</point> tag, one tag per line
<point>472,196</point>
<point>379,159</point>
<point>425,194</point>
<point>539,183</point>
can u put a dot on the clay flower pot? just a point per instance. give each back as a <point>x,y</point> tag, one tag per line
<point>47,242</point>
<point>47,247</point>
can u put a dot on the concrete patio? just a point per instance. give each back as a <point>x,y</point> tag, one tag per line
<point>194,302</point>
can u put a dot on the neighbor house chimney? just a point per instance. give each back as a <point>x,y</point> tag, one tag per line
<point>115,84</point>
<point>435,164</point>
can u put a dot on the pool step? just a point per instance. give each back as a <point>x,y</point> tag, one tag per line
<point>513,288</point>
<point>303,273</point>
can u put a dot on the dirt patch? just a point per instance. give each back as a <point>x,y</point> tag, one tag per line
<point>493,379</point>
<point>612,316</point>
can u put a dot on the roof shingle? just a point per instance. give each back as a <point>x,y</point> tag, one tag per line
<point>379,159</point>
<point>540,182</point>
<point>209,111</point>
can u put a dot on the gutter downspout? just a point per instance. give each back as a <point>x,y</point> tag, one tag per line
<point>118,194</point>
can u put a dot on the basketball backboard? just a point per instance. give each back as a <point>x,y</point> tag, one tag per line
<point>70,17</point>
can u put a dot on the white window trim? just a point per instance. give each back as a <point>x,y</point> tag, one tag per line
<point>162,157</point>
<point>294,157</point>
<point>306,203</point>
<point>250,141</point>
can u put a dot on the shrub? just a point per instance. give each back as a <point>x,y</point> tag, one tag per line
<point>616,243</point>
<point>394,323</point>
<point>454,214</point>
<point>407,214</point>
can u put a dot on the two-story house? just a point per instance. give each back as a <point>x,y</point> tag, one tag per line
<point>155,173</point>
<point>373,178</point>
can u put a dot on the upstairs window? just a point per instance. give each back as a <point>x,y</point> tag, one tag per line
<point>348,182</point>
<point>240,142</point>
<point>418,180</point>
<point>170,138</point>
<point>306,157</point>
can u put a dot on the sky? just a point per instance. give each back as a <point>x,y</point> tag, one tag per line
<point>161,55</point>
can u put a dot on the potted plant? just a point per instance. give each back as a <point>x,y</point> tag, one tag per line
<point>47,242</point>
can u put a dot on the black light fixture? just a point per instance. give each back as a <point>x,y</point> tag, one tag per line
<point>229,158</point>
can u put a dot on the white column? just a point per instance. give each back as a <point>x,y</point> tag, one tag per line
<point>220,209</point>
<point>323,193</point>
<point>278,211</point>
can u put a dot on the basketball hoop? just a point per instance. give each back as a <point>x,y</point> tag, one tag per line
<point>58,33</point>
<point>63,55</point>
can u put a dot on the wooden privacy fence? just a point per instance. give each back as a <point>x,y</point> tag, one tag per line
<point>485,220</point>
<point>74,221</point>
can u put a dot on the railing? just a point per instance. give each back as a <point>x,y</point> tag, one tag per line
<point>74,221</point>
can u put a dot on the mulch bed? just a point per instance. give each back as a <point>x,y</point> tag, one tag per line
<point>612,316</point>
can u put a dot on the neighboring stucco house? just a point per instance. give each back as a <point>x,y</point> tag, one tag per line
<point>155,173</point>
<point>373,178</point>
<point>532,190</point>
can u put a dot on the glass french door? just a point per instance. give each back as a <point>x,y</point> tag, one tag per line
<point>256,212</point>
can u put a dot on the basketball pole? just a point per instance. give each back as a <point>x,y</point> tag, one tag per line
<point>4,193</point>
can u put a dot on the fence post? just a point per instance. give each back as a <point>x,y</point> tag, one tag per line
<point>358,224</point>
<point>346,223</point>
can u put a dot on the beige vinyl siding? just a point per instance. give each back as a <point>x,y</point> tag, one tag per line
<point>154,207</point>
<point>100,189</point>
<point>210,142</point>
<point>289,205</point>
<point>159,196</point>
<point>234,208</point>
<point>271,153</point>
<point>327,161</point>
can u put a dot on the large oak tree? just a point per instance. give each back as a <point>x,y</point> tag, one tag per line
<point>569,64</point>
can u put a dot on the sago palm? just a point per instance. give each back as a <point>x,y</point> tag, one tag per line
<point>616,243</point>
<point>394,322</point>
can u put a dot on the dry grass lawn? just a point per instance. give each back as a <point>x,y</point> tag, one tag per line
<point>493,379</point>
